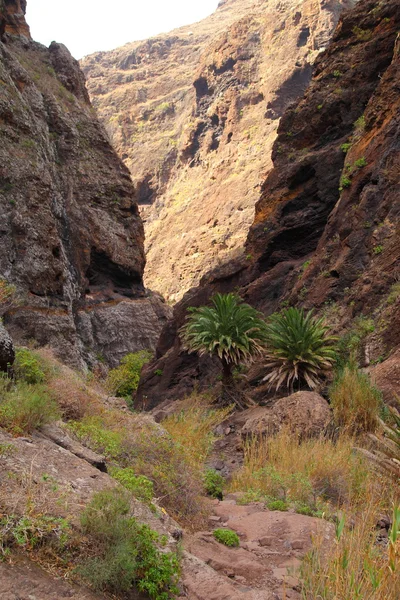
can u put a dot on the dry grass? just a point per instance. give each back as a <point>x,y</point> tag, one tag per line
<point>310,472</point>
<point>69,389</point>
<point>192,426</point>
<point>355,401</point>
<point>357,567</point>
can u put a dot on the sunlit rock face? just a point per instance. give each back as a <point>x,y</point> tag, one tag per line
<point>71,235</point>
<point>326,231</point>
<point>194,114</point>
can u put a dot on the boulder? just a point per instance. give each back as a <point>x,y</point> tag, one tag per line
<point>7,352</point>
<point>305,413</point>
<point>386,377</point>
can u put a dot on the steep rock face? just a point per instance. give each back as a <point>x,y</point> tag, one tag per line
<point>326,230</point>
<point>194,114</point>
<point>12,18</point>
<point>71,236</point>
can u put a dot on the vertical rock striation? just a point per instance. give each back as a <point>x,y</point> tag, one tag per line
<point>194,114</point>
<point>71,236</point>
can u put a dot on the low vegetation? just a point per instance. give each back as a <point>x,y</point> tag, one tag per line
<point>356,567</point>
<point>124,552</point>
<point>31,532</point>
<point>25,407</point>
<point>355,401</point>
<point>317,475</point>
<point>28,367</point>
<point>227,537</point>
<point>214,484</point>
<point>124,380</point>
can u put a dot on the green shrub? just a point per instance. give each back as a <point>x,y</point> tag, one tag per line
<point>28,367</point>
<point>26,407</point>
<point>345,182</point>
<point>394,293</point>
<point>213,483</point>
<point>355,401</point>
<point>299,348</point>
<point>227,537</point>
<point>93,432</point>
<point>127,553</point>
<point>124,380</point>
<point>31,532</point>
<point>351,343</point>
<point>361,162</point>
<point>273,504</point>
<point>140,486</point>
<point>346,147</point>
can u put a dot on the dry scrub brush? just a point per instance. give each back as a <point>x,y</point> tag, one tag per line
<point>355,401</point>
<point>310,473</point>
<point>357,567</point>
<point>172,458</point>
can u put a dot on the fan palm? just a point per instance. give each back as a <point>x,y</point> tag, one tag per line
<point>229,329</point>
<point>299,348</point>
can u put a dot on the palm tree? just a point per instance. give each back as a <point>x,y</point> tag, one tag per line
<point>299,348</point>
<point>230,329</point>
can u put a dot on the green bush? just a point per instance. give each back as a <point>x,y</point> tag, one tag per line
<point>127,553</point>
<point>124,380</point>
<point>32,532</point>
<point>213,483</point>
<point>26,407</point>
<point>93,432</point>
<point>227,537</point>
<point>28,367</point>
<point>274,504</point>
<point>140,486</point>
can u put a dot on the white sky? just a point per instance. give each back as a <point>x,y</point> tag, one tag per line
<point>86,26</point>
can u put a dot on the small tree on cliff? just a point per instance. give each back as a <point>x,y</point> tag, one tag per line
<point>231,330</point>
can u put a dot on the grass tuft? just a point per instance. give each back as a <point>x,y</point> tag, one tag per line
<point>355,401</point>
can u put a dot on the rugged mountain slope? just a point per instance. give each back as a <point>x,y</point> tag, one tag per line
<point>71,235</point>
<point>194,114</point>
<point>326,230</point>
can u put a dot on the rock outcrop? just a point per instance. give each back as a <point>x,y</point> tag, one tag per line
<point>306,414</point>
<point>194,113</point>
<point>12,19</point>
<point>326,229</point>
<point>71,235</point>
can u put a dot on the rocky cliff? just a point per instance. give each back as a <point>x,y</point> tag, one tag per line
<point>194,113</point>
<point>326,229</point>
<point>71,236</point>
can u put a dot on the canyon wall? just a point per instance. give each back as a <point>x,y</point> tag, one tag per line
<point>326,229</point>
<point>194,113</point>
<point>71,235</point>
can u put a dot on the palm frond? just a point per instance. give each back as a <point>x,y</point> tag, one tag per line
<point>299,346</point>
<point>229,328</point>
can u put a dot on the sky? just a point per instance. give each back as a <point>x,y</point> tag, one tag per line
<point>86,26</point>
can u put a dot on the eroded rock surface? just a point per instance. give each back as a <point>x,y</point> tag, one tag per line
<point>304,413</point>
<point>326,229</point>
<point>194,113</point>
<point>71,236</point>
<point>272,544</point>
